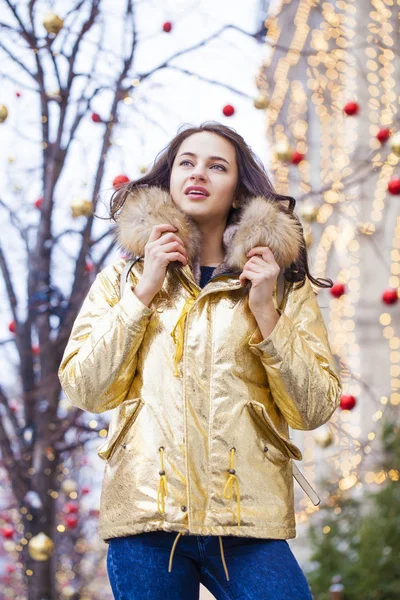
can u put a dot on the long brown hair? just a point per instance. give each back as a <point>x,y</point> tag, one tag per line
<point>252,181</point>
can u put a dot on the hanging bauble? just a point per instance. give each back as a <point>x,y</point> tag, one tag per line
<point>68,592</point>
<point>309,212</point>
<point>7,531</point>
<point>35,350</point>
<point>38,203</point>
<point>18,94</point>
<point>323,438</point>
<point>283,151</point>
<point>143,169</point>
<point>297,157</point>
<point>390,296</point>
<point>167,26</point>
<point>337,290</point>
<point>52,23</point>
<point>395,143</point>
<point>351,108</point>
<point>394,186</point>
<point>40,547</point>
<point>228,110</point>
<point>69,486</point>
<point>80,207</point>
<point>71,508</point>
<point>10,568</point>
<point>85,490</point>
<point>3,113</point>
<point>383,135</point>
<point>261,102</point>
<point>347,402</point>
<point>96,118</point>
<point>89,266</point>
<point>119,181</point>
<point>12,326</point>
<point>71,521</point>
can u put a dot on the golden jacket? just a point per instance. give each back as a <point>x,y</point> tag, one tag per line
<point>198,442</point>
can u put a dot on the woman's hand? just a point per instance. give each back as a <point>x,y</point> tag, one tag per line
<point>262,270</point>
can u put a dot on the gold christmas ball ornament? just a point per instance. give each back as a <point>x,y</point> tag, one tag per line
<point>283,151</point>
<point>68,486</point>
<point>3,113</point>
<point>323,438</point>
<point>68,592</point>
<point>143,169</point>
<point>261,102</point>
<point>309,212</point>
<point>81,207</point>
<point>395,143</point>
<point>40,547</point>
<point>52,23</point>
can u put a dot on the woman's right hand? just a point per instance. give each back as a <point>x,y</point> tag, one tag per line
<point>162,247</point>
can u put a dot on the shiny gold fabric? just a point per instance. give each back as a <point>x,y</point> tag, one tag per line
<point>235,390</point>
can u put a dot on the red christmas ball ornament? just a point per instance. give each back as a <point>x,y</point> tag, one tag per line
<point>7,531</point>
<point>337,290</point>
<point>71,507</point>
<point>347,402</point>
<point>228,110</point>
<point>351,108</point>
<point>89,266</point>
<point>85,490</point>
<point>296,157</point>
<point>390,296</point>
<point>119,181</point>
<point>10,568</point>
<point>383,135</point>
<point>167,26</point>
<point>71,521</point>
<point>39,202</point>
<point>12,327</point>
<point>18,94</point>
<point>394,186</point>
<point>35,350</point>
<point>96,118</point>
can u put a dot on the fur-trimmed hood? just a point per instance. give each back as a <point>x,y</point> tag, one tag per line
<point>259,222</point>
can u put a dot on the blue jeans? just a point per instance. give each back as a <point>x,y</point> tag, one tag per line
<point>259,569</point>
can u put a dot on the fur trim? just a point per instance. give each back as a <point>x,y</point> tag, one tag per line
<point>259,223</point>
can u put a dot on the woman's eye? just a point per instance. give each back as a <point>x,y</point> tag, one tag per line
<point>188,162</point>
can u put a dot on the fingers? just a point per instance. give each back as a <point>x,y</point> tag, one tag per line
<point>158,230</point>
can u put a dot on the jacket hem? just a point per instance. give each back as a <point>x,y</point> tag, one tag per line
<point>249,531</point>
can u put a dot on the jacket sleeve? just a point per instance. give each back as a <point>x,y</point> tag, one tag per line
<point>100,358</point>
<point>302,374</point>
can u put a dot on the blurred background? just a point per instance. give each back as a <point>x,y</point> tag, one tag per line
<point>91,91</point>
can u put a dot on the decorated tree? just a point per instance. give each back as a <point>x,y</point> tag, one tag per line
<point>70,91</point>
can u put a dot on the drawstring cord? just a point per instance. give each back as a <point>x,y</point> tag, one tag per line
<point>233,481</point>
<point>177,333</point>
<point>220,547</point>
<point>162,486</point>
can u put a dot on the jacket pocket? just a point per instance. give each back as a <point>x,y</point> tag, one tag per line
<point>278,447</point>
<point>127,415</point>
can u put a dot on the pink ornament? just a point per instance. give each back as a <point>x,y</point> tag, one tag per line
<point>347,402</point>
<point>39,202</point>
<point>119,181</point>
<point>71,521</point>
<point>85,490</point>
<point>12,327</point>
<point>228,110</point>
<point>394,186</point>
<point>351,108</point>
<point>71,507</point>
<point>383,135</point>
<point>167,26</point>
<point>390,296</point>
<point>337,290</point>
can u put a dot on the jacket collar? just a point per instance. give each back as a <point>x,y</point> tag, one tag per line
<point>260,221</point>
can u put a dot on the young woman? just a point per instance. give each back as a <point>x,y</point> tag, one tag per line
<point>209,344</point>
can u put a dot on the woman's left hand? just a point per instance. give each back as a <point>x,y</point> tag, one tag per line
<point>262,270</point>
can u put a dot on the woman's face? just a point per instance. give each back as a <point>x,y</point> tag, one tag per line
<point>207,160</point>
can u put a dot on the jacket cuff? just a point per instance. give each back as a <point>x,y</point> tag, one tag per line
<point>132,309</point>
<point>272,348</point>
